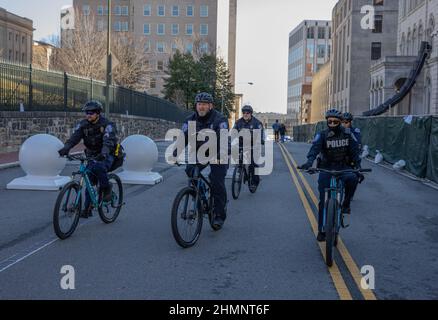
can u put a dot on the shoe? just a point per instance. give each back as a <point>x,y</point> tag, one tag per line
<point>321,237</point>
<point>346,210</point>
<point>217,224</point>
<point>87,212</point>
<point>346,213</point>
<point>106,193</point>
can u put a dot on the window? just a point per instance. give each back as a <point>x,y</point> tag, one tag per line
<point>117,11</point>
<point>16,38</point>
<point>125,26</point>
<point>378,2</point>
<point>310,33</point>
<point>117,26</point>
<point>348,53</point>
<point>189,29</point>
<point>204,48</point>
<point>160,65</point>
<point>161,11</point>
<point>189,47</point>
<point>146,28</point>
<point>204,11</point>
<point>161,29</point>
<point>10,36</point>
<point>174,48</point>
<point>160,47</point>
<point>189,11</point>
<point>10,54</point>
<point>125,11</point>
<point>204,30</point>
<point>100,10</point>
<point>86,10</point>
<point>22,39</point>
<point>321,51</point>
<point>376,50</point>
<point>321,33</point>
<point>378,24</point>
<point>175,29</point>
<point>147,46</point>
<point>175,11</point>
<point>153,83</point>
<point>22,57</point>
<point>147,10</point>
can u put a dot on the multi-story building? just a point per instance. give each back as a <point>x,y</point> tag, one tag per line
<point>162,25</point>
<point>16,36</point>
<point>309,49</point>
<point>41,55</point>
<point>320,94</point>
<point>416,24</point>
<point>356,44</point>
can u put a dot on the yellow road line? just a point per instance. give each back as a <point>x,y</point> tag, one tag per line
<point>341,287</point>
<point>346,256</point>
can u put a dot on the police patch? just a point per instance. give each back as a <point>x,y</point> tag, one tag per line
<point>317,137</point>
<point>357,130</point>
<point>109,128</point>
<point>223,125</point>
<point>185,127</point>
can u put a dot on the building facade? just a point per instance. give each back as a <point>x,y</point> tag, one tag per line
<point>356,45</point>
<point>309,49</point>
<point>416,24</point>
<point>16,37</point>
<point>320,93</point>
<point>162,25</point>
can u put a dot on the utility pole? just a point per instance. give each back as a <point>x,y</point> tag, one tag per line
<point>108,63</point>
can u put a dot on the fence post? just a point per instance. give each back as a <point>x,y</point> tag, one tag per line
<point>91,84</point>
<point>30,88</point>
<point>65,90</point>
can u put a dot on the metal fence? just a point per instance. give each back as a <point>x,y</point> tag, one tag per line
<point>42,90</point>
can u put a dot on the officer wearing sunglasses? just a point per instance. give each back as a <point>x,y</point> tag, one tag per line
<point>100,140</point>
<point>337,150</point>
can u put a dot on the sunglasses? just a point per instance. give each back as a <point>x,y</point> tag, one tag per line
<point>90,113</point>
<point>247,113</point>
<point>336,122</point>
<point>346,122</point>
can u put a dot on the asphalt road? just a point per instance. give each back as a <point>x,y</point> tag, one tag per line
<point>266,250</point>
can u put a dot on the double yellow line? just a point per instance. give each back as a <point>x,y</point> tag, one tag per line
<point>338,280</point>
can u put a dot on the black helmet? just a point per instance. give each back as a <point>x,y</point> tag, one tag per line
<point>247,108</point>
<point>204,97</point>
<point>347,116</point>
<point>333,113</point>
<point>93,105</point>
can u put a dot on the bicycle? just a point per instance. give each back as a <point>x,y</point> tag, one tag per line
<point>333,219</point>
<point>197,203</point>
<point>243,172</point>
<point>67,211</point>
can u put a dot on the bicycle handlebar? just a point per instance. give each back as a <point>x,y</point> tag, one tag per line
<point>81,157</point>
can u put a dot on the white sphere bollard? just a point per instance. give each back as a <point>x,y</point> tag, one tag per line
<point>141,157</point>
<point>40,160</point>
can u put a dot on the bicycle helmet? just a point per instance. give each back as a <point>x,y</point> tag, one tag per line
<point>93,105</point>
<point>204,97</point>
<point>333,113</point>
<point>247,108</point>
<point>347,116</point>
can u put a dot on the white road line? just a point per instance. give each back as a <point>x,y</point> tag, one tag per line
<point>25,256</point>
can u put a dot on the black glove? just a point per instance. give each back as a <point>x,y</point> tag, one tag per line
<point>305,166</point>
<point>63,152</point>
<point>361,177</point>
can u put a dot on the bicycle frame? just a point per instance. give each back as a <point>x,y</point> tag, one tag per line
<point>84,173</point>
<point>336,192</point>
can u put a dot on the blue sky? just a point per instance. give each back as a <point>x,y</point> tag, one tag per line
<point>262,36</point>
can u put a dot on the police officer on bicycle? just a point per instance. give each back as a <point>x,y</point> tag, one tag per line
<point>249,122</point>
<point>206,117</point>
<point>99,136</point>
<point>337,150</point>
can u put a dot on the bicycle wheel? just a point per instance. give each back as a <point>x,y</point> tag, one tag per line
<point>237,182</point>
<point>67,210</point>
<point>330,231</point>
<point>186,217</point>
<point>109,212</point>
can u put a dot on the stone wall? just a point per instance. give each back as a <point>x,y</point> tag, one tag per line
<point>16,127</point>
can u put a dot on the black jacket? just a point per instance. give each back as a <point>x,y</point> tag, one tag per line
<point>254,123</point>
<point>99,137</point>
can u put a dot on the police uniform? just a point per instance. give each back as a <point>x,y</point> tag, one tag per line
<point>99,138</point>
<point>252,124</point>
<point>338,150</point>
<point>215,121</point>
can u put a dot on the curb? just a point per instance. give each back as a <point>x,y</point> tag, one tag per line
<point>9,165</point>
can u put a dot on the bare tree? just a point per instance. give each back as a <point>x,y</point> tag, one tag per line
<point>83,50</point>
<point>133,61</point>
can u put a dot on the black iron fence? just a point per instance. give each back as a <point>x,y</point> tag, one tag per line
<point>41,90</point>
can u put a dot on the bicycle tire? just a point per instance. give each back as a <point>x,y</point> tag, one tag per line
<point>198,216</point>
<point>56,217</point>
<point>330,231</point>
<point>118,198</point>
<point>237,182</point>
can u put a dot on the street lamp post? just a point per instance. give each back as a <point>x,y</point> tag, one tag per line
<point>108,62</point>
